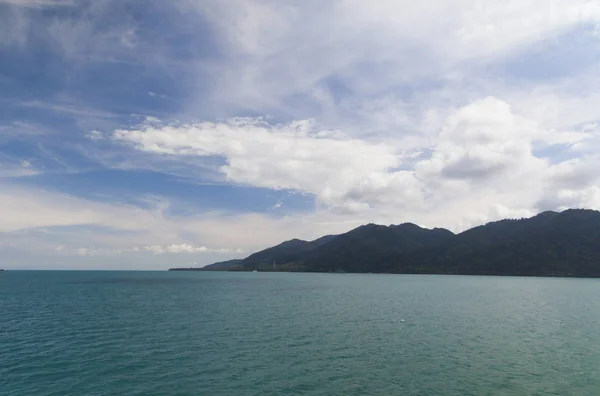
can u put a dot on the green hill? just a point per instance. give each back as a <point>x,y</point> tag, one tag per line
<point>549,244</point>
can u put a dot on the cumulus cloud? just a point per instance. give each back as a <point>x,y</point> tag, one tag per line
<point>574,183</point>
<point>480,164</point>
<point>483,140</point>
<point>480,144</point>
<point>339,170</point>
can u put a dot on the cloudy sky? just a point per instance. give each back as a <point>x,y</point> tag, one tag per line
<point>150,134</point>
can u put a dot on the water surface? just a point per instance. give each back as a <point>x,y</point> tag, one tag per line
<point>191,333</point>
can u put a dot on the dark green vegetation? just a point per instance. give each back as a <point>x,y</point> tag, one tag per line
<point>549,244</point>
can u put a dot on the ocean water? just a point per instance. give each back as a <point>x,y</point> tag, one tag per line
<point>190,333</point>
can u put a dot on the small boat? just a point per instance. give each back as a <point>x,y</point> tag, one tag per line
<point>254,271</point>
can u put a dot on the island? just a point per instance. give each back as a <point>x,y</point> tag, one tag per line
<point>565,244</point>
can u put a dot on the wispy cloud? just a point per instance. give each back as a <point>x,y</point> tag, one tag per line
<point>174,248</point>
<point>371,49</point>
<point>39,3</point>
<point>68,108</point>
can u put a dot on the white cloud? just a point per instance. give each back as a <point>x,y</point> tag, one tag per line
<point>39,3</point>
<point>95,135</point>
<point>297,156</point>
<point>292,50</point>
<point>574,183</point>
<point>454,28</point>
<point>483,140</point>
<point>94,31</point>
<point>156,95</point>
<point>482,146</point>
<point>22,208</point>
<point>12,171</point>
<point>43,222</point>
<point>176,248</point>
<point>480,164</point>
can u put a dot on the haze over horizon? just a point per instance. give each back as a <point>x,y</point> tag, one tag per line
<point>149,135</point>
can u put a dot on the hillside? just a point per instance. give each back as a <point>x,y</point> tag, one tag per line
<point>289,253</point>
<point>549,244</point>
<point>373,248</point>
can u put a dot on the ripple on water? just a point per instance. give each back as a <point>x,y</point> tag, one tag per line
<point>296,334</point>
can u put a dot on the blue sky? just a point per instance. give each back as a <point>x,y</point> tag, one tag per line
<point>149,134</point>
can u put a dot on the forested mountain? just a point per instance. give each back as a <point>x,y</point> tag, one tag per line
<point>292,251</point>
<point>549,244</point>
<point>373,248</point>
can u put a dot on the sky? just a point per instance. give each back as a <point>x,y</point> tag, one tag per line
<point>152,134</point>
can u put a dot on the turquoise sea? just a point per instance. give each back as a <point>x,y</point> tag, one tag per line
<point>207,333</point>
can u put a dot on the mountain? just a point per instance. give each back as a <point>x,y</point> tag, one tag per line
<point>549,244</point>
<point>373,248</point>
<point>287,252</point>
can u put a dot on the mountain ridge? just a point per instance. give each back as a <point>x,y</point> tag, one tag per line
<point>548,244</point>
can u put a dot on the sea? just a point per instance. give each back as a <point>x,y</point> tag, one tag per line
<point>231,333</point>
